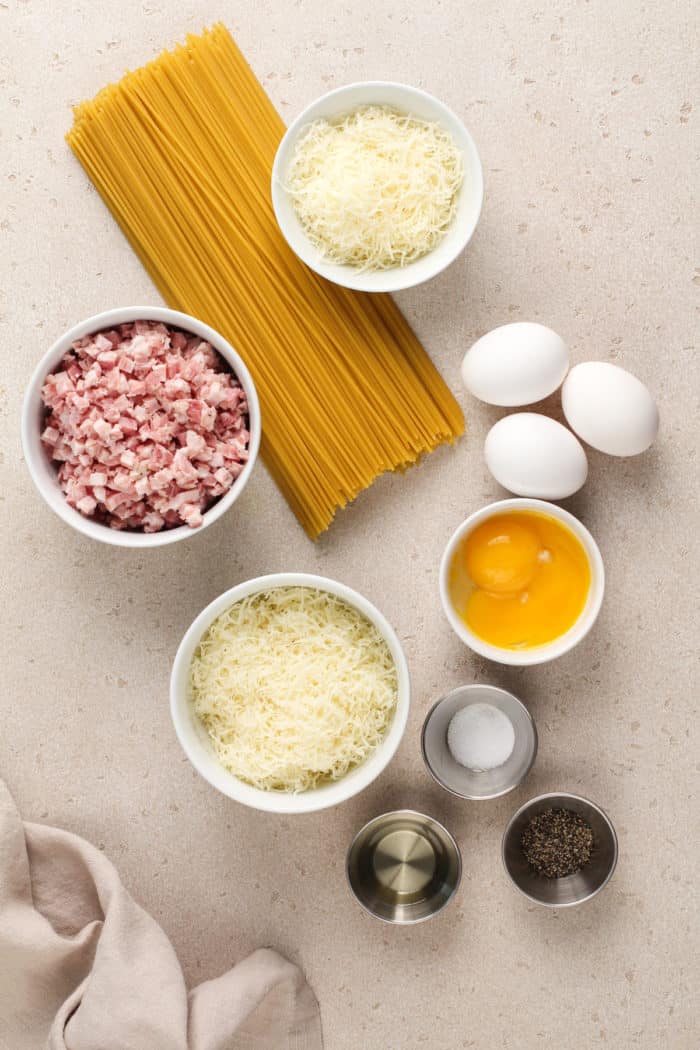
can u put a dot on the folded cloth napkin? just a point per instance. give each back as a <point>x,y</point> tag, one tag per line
<point>83,967</point>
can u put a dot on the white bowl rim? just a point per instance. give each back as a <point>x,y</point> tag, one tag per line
<point>559,646</point>
<point>32,449</point>
<point>278,802</point>
<point>398,278</point>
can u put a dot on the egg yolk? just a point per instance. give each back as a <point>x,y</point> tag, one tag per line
<point>520,580</point>
<point>501,556</point>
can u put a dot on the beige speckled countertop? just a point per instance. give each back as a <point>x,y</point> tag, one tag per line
<point>583,113</point>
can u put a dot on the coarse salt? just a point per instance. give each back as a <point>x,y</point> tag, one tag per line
<point>480,737</point>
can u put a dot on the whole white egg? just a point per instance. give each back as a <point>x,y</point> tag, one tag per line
<point>516,364</point>
<point>610,408</point>
<point>533,455</point>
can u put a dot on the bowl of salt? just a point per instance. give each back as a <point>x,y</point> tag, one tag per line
<point>479,742</point>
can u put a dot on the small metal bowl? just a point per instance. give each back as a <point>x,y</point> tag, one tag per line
<point>403,867</point>
<point>574,889</point>
<point>467,783</point>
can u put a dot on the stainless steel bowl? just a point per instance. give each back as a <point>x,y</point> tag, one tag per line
<point>467,783</point>
<point>403,867</point>
<point>574,889</point>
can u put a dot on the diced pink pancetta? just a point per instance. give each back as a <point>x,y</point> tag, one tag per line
<point>182,469</point>
<point>50,436</point>
<point>128,426</point>
<point>147,424</point>
<point>177,387</point>
<point>87,505</point>
<point>191,514</point>
<point>180,498</point>
<point>213,393</point>
<point>102,429</point>
<point>160,457</point>
<point>101,342</point>
<point>117,382</point>
<point>110,412</point>
<point>153,521</point>
<point>161,479</point>
<point>114,500</point>
<point>62,383</point>
<point>194,442</point>
<point>107,359</point>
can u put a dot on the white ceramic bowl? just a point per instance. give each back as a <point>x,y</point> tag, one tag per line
<point>43,471</point>
<point>419,104</point>
<point>538,654</point>
<point>195,740</point>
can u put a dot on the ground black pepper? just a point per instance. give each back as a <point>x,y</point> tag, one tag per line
<point>557,843</point>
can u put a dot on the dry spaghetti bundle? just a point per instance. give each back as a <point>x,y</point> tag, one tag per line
<point>181,152</point>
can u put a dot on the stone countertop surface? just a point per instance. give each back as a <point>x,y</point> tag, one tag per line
<point>586,117</point>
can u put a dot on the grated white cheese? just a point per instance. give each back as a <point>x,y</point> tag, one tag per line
<point>376,188</point>
<point>295,687</point>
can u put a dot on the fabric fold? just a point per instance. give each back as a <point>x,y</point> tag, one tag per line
<point>83,967</point>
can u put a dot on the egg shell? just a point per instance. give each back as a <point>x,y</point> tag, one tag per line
<point>609,408</point>
<point>533,455</point>
<point>516,364</point>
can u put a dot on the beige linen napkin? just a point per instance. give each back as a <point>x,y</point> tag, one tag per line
<point>83,967</point>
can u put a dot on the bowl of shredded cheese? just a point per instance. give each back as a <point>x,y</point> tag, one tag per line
<point>290,693</point>
<point>377,186</point>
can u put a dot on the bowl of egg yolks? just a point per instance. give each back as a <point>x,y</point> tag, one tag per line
<point>521,581</point>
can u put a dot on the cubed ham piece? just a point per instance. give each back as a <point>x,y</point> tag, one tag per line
<point>50,436</point>
<point>101,342</point>
<point>108,359</point>
<point>191,514</point>
<point>153,521</point>
<point>194,443</point>
<point>87,506</point>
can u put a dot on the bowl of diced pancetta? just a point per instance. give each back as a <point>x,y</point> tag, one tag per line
<point>141,426</point>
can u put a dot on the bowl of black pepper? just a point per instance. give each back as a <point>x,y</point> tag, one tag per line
<point>559,849</point>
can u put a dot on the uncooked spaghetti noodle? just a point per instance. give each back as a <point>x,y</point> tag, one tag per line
<point>181,151</point>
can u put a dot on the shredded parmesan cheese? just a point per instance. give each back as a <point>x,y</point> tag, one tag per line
<point>375,189</point>
<point>294,686</point>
